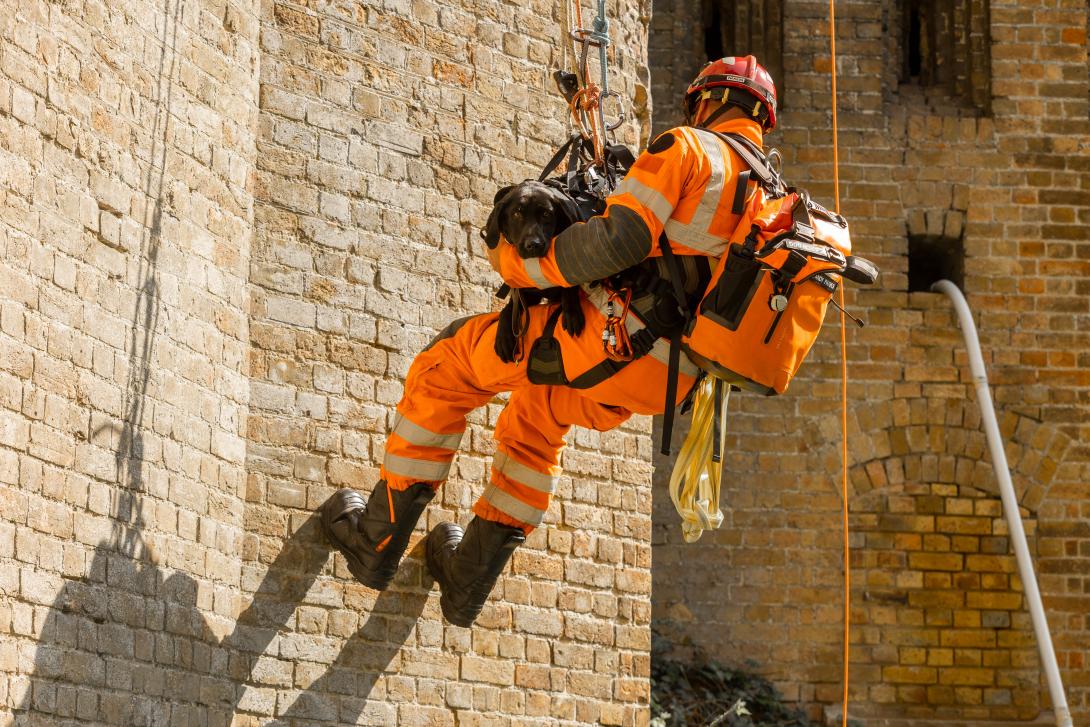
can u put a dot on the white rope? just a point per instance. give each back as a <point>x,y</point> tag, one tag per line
<point>695,479</point>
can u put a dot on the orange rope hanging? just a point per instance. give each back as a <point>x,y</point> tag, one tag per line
<point>843,384</point>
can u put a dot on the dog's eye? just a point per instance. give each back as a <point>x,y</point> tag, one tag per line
<point>517,214</point>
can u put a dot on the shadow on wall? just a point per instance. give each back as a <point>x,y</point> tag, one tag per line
<point>127,642</point>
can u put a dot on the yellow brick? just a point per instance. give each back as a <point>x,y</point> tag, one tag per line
<point>994,600</point>
<point>935,561</point>
<point>961,676</point>
<point>909,675</point>
<point>968,637</point>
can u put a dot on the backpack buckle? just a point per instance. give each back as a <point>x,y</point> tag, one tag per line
<point>803,232</point>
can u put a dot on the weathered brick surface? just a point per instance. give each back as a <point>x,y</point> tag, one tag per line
<point>227,227</point>
<point>940,628</point>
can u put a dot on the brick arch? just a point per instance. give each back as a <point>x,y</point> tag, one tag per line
<point>941,441</point>
<point>939,611</point>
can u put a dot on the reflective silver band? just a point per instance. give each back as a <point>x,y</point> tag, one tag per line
<point>713,190</point>
<point>423,469</point>
<point>660,351</point>
<point>510,505</point>
<point>649,197</point>
<point>523,475</point>
<point>691,237</point>
<point>532,266</point>
<point>695,234</point>
<point>413,433</point>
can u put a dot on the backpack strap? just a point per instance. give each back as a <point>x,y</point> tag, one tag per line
<point>756,160</point>
<point>674,368</point>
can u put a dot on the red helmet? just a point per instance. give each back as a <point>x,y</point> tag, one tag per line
<point>757,91</point>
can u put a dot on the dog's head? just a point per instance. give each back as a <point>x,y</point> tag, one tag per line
<point>529,215</point>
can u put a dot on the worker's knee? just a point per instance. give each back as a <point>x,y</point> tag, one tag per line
<point>449,331</point>
<point>572,408</point>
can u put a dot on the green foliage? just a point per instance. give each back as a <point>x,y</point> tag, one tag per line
<point>706,693</point>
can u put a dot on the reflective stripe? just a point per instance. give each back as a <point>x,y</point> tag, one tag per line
<point>510,505</point>
<point>532,266</point>
<point>660,351</point>
<point>523,475</point>
<point>413,433</point>
<point>425,470</point>
<point>696,233</point>
<point>649,197</point>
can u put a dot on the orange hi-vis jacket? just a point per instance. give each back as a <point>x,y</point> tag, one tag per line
<point>685,185</point>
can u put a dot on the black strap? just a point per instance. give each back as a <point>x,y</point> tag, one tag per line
<point>672,373</point>
<point>755,160</point>
<point>558,157</point>
<point>717,429</point>
<point>642,341</point>
<point>598,373</point>
<point>723,108</point>
<point>673,370</point>
<point>739,205</point>
<point>674,273</point>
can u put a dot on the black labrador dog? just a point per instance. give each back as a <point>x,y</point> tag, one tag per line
<point>528,215</point>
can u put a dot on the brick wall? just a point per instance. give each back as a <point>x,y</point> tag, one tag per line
<point>940,629</point>
<point>384,134</point>
<point>227,227</point>
<point>128,135</point>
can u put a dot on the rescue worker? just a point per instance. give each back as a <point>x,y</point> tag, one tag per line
<point>684,184</point>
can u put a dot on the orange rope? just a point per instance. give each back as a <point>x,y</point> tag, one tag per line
<point>843,384</point>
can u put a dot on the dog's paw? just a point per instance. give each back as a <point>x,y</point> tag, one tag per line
<point>506,341</point>
<point>574,321</point>
<point>506,346</point>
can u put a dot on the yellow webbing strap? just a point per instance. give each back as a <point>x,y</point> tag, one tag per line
<point>695,479</point>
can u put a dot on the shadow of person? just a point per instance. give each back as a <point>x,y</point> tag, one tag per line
<point>128,643</point>
<point>342,693</point>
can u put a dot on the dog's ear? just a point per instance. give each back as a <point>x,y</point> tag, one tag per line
<point>491,232</point>
<point>565,210</point>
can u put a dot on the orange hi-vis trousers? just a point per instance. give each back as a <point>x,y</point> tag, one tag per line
<point>460,372</point>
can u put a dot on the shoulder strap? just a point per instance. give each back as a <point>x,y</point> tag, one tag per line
<point>756,160</point>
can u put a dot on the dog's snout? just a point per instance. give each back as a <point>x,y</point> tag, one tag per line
<point>533,247</point>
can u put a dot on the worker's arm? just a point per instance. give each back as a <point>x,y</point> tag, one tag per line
<point>622,236</point>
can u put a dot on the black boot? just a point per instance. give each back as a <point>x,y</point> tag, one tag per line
<point>372,534</point>
<point>466,565</point>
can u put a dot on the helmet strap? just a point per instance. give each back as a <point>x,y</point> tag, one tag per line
<point>723,108</point>
<point>733,97</point>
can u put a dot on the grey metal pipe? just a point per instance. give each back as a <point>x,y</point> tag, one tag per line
<point>1010,502</point>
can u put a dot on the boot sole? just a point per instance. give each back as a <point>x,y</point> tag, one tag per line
<point>331,510</point>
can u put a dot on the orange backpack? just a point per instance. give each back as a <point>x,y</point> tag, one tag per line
<point>763,309</point>
<point>765,304</point>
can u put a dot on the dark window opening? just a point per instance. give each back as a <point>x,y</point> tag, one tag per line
<point>945,53</point>
<point>932,258</point>
<point>746,27</point>
<point>713,35</point>
<point>912,48</point>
